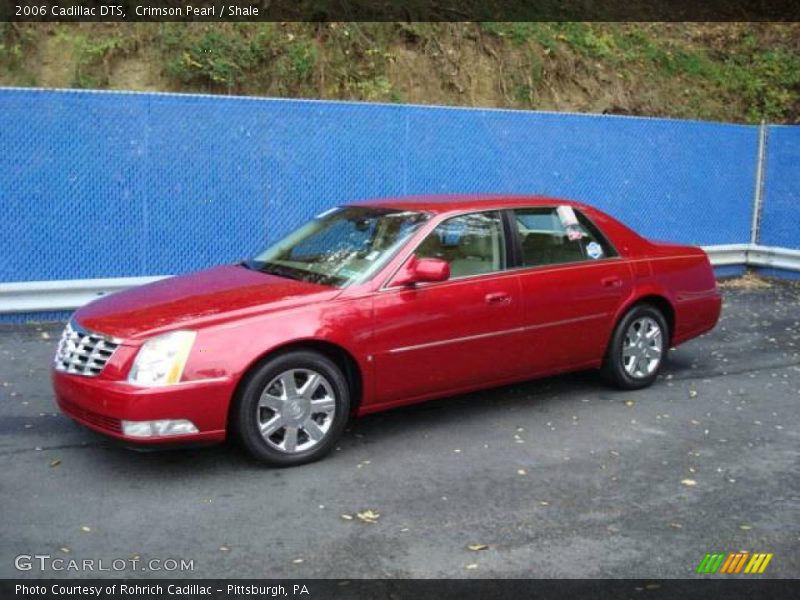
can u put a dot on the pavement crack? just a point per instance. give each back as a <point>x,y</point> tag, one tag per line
<point>692,377</point>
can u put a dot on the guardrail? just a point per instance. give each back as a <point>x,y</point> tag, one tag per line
<point>754,255</point>
<point>35,296</point>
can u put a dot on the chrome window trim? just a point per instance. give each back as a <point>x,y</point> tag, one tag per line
<point>511,271</point>
<point>385,286</point>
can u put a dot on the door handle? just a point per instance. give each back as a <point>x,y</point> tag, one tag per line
<point>611,281</point>
<point>498,298</point>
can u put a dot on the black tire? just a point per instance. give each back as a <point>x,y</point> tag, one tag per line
<point>246,416</point>
<point>614,368</point>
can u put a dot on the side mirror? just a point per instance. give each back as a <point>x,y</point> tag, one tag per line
<point>423,270</point>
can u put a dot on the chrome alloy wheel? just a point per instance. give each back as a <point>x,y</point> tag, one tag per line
<point>296,410</point>
<point>642,347</point>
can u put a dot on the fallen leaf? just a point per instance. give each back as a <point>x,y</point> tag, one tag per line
<point>745,527</point>
<point>224,549</point>
<point>692,394</point>
<point>55,462</point>
<point>347,517</point>
<point>369,516</point>
<point>478,547</point>
<point>676,525</point>
<point>85,529</point>
<point>64,549</point>
<point>630,403</point>
<point>297,561</point>
<point>688,482</point>
<point>521,472</point>
<point>472,566</point>
<point>45,335</point>
<point>544,503</point>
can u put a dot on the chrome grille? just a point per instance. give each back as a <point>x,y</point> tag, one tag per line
<point>83,352</point>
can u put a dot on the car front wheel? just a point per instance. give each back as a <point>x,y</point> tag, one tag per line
<point>637,349</point>
<point>292,409</point>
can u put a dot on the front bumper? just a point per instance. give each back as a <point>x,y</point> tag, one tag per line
<point>102,405</point>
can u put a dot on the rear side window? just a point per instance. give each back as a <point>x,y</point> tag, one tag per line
<point>554,236</point>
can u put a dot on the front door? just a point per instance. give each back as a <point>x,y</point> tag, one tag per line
<point>442,337</point>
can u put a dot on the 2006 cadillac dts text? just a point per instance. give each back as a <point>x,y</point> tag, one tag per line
<point>126,589</point>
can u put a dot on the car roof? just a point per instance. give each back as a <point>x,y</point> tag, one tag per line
<point>442,203</point>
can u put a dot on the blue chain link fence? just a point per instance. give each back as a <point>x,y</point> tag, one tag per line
<point>780,217</point>
<point>107,184</point>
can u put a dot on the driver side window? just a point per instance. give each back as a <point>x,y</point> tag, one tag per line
<point>472,244</point>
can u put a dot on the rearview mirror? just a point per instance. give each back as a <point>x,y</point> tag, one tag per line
<point>423,270</point>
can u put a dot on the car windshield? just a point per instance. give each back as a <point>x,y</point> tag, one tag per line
<point>340,247</point>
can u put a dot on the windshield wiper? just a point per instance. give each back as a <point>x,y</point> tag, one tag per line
<point>280,271</point>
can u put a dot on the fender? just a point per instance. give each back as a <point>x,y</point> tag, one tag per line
<point>649,289</point>
<point>341,324</point>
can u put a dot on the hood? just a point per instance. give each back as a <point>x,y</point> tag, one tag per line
<point>197,298</point>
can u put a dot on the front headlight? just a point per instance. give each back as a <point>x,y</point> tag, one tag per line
<point>161,360</point>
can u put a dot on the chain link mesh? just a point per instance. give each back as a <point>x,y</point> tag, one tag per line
<point>104,184</point>
<point>780,216</point>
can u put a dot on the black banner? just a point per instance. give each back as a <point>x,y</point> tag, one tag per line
<point>398,10</point>
<point>738,588</point>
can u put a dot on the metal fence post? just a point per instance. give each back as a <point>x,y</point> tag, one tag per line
<point>758,192</point>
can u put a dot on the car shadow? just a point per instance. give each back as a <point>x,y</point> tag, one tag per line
<point>452,411</point>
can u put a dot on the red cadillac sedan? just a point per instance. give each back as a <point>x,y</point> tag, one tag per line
<point>376,305</point>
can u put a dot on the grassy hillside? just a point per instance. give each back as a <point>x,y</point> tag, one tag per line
<point>725,71</point>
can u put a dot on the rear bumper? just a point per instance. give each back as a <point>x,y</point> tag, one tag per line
<point>102,405</point>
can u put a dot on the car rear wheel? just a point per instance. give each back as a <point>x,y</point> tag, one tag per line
<point>638,348</point>
<point>292,409</point>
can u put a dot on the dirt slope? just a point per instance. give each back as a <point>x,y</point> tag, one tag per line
<point>724,71</point>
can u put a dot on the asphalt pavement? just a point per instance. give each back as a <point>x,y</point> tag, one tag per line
<point>562,477</point>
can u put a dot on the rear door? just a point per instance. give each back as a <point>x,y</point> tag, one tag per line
<point>436,338</point>
<point>572,281</point>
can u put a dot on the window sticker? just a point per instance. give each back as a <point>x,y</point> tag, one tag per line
<point>569,221</point>
<point>594,250</point>
<point>567,216</point>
